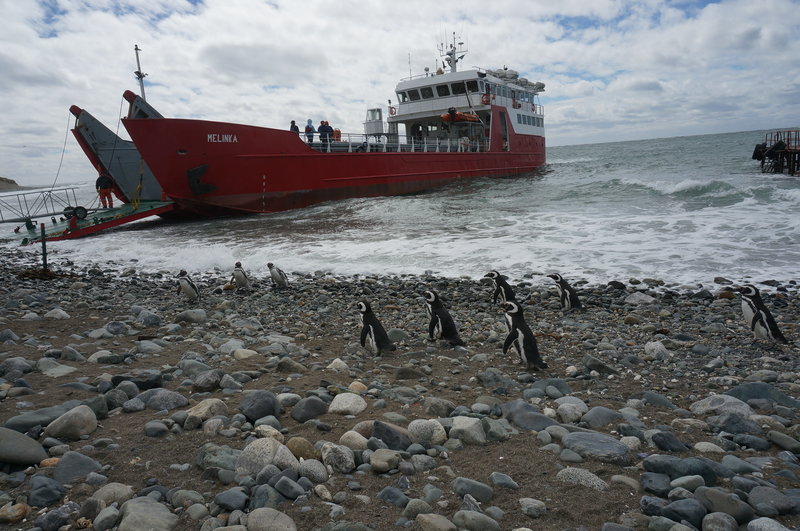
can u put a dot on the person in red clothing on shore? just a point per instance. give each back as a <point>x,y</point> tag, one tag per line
<point>104,186</point>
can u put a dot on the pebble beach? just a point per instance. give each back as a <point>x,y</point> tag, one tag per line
<point>126,406</point>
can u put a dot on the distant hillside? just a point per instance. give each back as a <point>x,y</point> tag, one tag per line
<point>9,185</point>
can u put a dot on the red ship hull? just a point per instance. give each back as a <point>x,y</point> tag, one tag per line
<point>217,168</point>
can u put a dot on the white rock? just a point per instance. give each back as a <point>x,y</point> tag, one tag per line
<point>56,313</point>
<point>639,298</point>
<point>469,430</point>
<point>425,431</point>
<point>581,476</point>
<point>631,442</point>
<point>569,413</point>
<point>707,447</point>
<point>263,452</point>
<point>70,426</point>
<point>338,365</point>
<point>353,440</point>
<point>243,354</point>
<point>267,519</point>
<point>347,404</point>
<point>718,404</point>
<point>265,430</point>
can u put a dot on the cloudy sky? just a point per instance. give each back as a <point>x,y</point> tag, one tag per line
<point>614,69</point>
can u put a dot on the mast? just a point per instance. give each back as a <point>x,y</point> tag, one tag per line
<point>449,56</point>
<point>139,74</point>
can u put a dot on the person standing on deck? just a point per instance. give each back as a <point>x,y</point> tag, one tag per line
<point>293,128</point>
<point>104,186</point>
<point>310,131</point>
<point>325,131</point>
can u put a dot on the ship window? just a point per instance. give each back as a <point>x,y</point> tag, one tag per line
<point>402,97</point>
<point>442,90</point>
<point>472,85</point>
<point>427,92</point>
<point>519,118</point>
<point>458,88</point>
<point>413,95</point>
<point>481,86</point>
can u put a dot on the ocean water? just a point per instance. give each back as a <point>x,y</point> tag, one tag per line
<point>684,210</point>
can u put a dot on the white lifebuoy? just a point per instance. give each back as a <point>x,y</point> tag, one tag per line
<point>485,99</point>
<point>392,111</point>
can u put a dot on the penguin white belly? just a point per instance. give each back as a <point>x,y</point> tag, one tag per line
<point>437,328</point>
<point>241,280</point>
<point>187,290</point>
<point>748,312</point>
<point>373,345</point>
<point>520,344</point>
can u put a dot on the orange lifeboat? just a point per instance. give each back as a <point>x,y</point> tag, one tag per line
<point>459,117</point>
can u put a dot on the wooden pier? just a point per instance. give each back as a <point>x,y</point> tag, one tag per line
<point>780,152</point>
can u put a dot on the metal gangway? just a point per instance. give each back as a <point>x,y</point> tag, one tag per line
<point>24,207</point>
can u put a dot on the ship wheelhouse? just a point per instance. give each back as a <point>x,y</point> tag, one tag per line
<point>460,106</point>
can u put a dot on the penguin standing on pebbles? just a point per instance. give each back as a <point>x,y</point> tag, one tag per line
<point>187,287</point>
<point>501,287</point>
<point>566,294</point>
<point>521,337</point>
<point>373,335</point>
<point>758,317</point>
<point>442,325</point>
<point>279,278</point>
<point>239,278</point>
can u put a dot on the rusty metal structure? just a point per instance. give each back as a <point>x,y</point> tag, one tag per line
<point>780,152</point>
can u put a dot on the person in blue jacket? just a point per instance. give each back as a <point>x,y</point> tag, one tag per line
<point>310,131</point>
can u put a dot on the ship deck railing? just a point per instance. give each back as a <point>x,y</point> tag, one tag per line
<point>20,206</point>
<point>391,144</point>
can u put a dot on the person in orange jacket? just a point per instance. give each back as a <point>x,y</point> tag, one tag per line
<point>105,186</point>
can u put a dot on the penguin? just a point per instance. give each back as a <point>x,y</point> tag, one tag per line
<point>521,337</point>
<point>279,278</point>
<point>239,278</point>
<point>566,294</point>
<point>441,325</point>
<point>501,287</point>
<point>372,331</point>
<point>187,287</point>
<point>758,317</point>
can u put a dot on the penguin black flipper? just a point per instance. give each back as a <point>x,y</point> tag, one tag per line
<point>511,339</point>
<point>764,319</point>
<point>574,301</point>
<point>364,333</point>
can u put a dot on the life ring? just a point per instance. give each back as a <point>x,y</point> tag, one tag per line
<point>485,99</point>
<point>392,111</point>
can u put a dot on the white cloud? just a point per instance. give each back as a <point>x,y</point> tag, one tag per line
<point>614,69</point>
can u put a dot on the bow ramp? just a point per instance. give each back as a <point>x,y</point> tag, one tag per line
<point>52,215</point>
